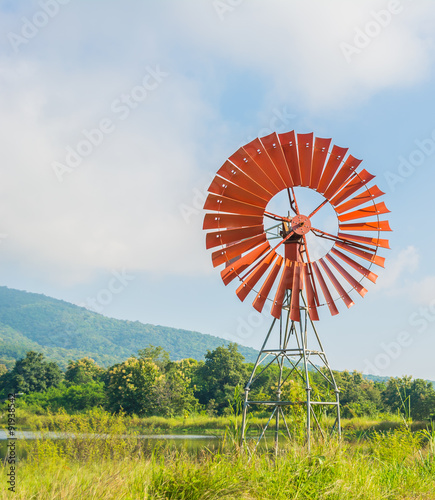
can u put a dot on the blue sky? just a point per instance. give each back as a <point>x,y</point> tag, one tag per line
<point>115,116</point>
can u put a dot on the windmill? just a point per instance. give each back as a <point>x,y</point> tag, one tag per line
<point>276,257</point>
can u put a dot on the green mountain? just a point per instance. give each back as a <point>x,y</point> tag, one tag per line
<point>64,331</point>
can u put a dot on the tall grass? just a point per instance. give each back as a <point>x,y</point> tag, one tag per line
<point>196,424</point>
<point>115,464</point>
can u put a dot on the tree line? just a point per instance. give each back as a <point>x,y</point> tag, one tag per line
<point>151,384</point>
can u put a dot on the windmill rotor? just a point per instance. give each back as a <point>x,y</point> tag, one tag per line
<point>270,261</point>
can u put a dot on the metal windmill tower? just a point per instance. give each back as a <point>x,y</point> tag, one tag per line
<point>241,225</point>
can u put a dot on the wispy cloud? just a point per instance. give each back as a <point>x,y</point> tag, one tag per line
<point>121,207</point>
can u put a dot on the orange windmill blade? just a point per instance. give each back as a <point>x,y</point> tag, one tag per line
<point>238,211</point>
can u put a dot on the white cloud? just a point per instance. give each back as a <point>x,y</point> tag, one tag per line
<point>401,279</point>
<point>423,291</point>
<point>296,46</point>
<point>403,264</point>
<point>121,207</point>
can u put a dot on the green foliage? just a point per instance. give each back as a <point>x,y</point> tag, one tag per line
<point>131,386</point>
<point>151,385</point>
<point>83,371</point>
<point>358,396</point>
<point>71,398</point>
<point>221,373</point>
<point>31,374</point>
<point>157,354</point>
<point>63,331</point>
<point>118,464</point>
<point>414,398</point>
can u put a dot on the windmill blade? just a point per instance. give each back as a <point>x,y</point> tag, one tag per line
<point>254,276</point>
<point>364,239</point>
<point>220,203</point>
<point>231,236</point>
<point>358,267</point>
<point>312,307</point>
<point>349,241</point>
<point>321,148</point>
<point>239,195</point>
<point>273,148</point>
<point>377,225</point>
<point>368,195</point>
<point>295,311</point>
<point>245,163</point>
<point>337,285</point>
<point>375,209</point>
<point>335,158</point>
<point>325,290</point>
<point>342,176</point>
<point>352,186</point>
<point>256,151</point>
<point>289,147</point>
<point>305,150</point>
<point>223,221</point>
<point>237,267</point>
<point>233,173</point>
<point>347,276</point>
<point>261,297</point>
<point>226,254</point>
<point>285,283</point>
<point>371,257</point>
<point>225,188</point>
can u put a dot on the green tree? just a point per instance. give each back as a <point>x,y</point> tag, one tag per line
<point>218,377</point>
<point>72,398</point>
<point>31,374</point>
<point>413,398</point>
<point>83,371</point>
<point>151,384</point>
<point>157,354</point>
<point>358,396</point>
<point>131,386</point>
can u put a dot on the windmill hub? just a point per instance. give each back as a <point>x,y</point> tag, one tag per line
<point>301,224</point>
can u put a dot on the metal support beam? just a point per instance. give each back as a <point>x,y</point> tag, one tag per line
<point>290,348</point>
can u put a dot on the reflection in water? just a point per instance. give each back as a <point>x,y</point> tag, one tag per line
<point>190,442</point>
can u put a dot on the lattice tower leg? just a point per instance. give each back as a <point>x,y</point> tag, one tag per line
<point>293,355</point>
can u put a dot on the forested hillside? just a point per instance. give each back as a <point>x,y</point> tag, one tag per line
<point>63,331</point>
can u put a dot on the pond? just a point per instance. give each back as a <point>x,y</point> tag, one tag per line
<point>189,442</point>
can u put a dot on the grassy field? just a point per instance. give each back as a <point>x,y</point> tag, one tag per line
<point>194,424</point>
<point>369,463</point>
